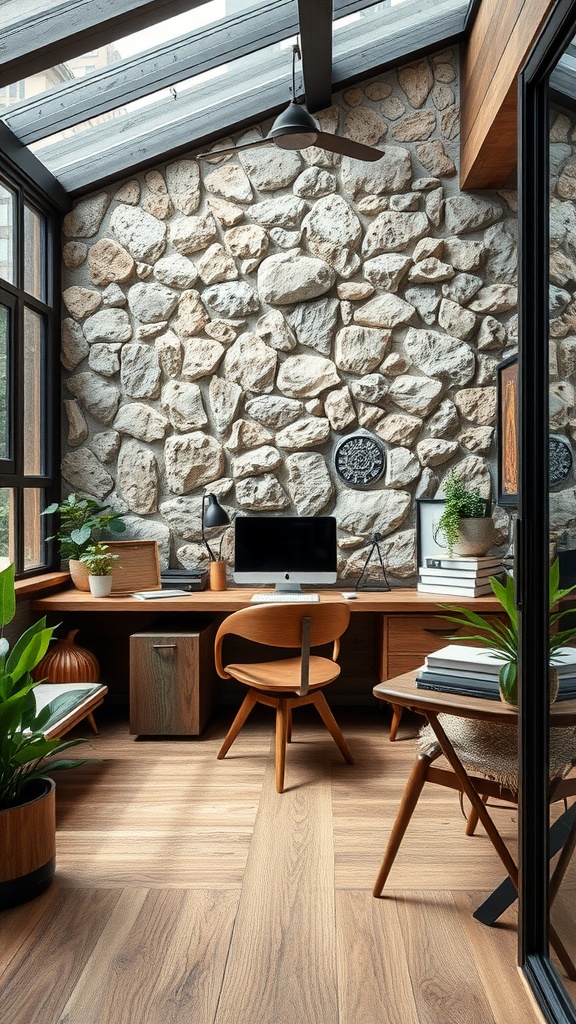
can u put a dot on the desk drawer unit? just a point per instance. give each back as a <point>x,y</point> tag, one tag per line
<point>407,639</point>
<point>172,682</point>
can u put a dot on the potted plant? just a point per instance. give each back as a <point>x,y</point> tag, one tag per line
<point>27,798</point>
<point>502,637</point>
<point>99,561</point>
<point>465,525</point>
<point>82,521</point>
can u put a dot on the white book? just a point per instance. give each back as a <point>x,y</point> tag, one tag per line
<point>482,561</point>
<point>151,595</point>
<point>461,658</point>
<point>482,572</point>
<point>466,590</point>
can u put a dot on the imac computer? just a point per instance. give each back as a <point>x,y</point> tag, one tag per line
<point>286,551</point>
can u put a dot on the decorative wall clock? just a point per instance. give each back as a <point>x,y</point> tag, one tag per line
<point>360,460</point>
<point>560,460</point>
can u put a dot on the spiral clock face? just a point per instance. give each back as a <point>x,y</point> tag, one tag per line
<point>360,460</point>
<point>560,460</point>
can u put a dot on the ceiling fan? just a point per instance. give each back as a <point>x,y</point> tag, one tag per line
<point>295,128</point>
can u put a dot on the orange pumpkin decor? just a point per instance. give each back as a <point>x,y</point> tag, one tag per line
<point>67,662</point>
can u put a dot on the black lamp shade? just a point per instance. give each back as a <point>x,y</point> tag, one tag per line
<point>214,514</point>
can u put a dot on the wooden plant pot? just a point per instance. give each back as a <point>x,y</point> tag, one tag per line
<point>79,574</point>
<point>28,844</point>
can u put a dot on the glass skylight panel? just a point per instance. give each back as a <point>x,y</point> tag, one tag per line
<point>110,54</point>
<point>187,103</point>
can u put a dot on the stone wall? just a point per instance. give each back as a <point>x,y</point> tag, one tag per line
<point>229,321</point>
<point>563,326</point>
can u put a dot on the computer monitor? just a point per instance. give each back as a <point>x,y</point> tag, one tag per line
<point>285,550</point>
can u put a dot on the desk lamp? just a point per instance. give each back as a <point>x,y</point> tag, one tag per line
<point>213,515</point>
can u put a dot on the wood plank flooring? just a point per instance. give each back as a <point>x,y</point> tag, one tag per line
<point>188,890</point>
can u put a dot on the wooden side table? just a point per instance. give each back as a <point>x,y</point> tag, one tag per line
<point>402,692</point>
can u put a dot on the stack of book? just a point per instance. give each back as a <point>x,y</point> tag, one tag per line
<point>473,672</point>
<point>463,577</point>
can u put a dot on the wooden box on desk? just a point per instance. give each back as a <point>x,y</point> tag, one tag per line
<point>172,682</point>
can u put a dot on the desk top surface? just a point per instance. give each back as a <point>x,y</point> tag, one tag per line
<point>402,690</point>
<point>397,600</point>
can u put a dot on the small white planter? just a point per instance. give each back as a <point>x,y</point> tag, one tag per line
<point>100,586</point>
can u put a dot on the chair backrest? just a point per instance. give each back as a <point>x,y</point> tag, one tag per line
<point>286,625</point>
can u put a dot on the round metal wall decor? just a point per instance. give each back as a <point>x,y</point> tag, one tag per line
<point>560,460</point>
<point>360,460</point>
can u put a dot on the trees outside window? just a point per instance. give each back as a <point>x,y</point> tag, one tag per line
<point>29,259</point>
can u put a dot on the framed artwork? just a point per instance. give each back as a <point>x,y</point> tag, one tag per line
<point>428,512</point>
<point>508,431</point>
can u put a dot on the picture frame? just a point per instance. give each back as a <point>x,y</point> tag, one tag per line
<point>137,568</point>
<point>428,512</point>
<point>507,431</point>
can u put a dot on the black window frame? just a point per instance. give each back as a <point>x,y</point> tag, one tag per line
<point>12,474</point>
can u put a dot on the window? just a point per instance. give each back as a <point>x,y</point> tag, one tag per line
<point>28,403</point>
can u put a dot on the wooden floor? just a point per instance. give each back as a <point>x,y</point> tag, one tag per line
<point>188,890</point>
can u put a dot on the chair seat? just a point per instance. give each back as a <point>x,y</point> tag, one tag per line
<point>492,750</point>
<point>283,676</point>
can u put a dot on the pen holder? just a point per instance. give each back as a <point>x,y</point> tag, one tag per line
<point>217,575</point>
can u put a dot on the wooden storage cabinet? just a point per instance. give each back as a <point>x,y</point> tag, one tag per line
<point>407,639</point>
<point>172,682</point>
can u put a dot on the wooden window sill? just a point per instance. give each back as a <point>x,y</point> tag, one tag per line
<point>36,585</point>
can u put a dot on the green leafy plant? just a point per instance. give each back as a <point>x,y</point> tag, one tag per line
<point>502,637</point>
<point>82,520</point>
<point>99,560</point>
<point>25,753</point>
<point>460,504</point>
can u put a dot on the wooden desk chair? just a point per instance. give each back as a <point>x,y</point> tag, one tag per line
<point>290,682</point>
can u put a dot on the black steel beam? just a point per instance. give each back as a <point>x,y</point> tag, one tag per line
<point>32,169</point>
<point>316,49</point>
<point>72,27</point>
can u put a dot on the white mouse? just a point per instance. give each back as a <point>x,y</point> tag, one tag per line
<point>349,596</point>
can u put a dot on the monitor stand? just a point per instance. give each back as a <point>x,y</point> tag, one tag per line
<point>288,588</point>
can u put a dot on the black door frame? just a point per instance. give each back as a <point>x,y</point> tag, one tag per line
<point>532,557</point>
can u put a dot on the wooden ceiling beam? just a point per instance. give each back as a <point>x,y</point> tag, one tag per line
<point>500,39</point>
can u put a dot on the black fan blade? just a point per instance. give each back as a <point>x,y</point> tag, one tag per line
<point>232,149</point>
<point>347,147</point>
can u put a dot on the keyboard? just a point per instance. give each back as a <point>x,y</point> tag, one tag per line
<point>283,597</point>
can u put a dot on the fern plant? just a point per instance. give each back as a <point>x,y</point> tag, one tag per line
<point>460,504</point>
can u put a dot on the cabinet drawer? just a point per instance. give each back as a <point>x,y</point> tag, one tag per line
<point>407,639</point>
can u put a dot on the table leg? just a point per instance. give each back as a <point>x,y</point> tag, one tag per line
<point>474,797</point>
<point>409,800</point>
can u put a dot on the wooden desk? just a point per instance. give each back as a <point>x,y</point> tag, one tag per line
<point>410,624</point>
<point>402,692</point>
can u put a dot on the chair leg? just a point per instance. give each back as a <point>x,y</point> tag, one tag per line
<point>245,708</point>
<point>396,716</point>
<point>331,724</point>
<point>472,819</point>
<point>409,800</point>
<point>282,712</point>
<point>289,731</point>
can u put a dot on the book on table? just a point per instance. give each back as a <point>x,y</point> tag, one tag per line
<point>429,574</point>
<point>471,563</point>
<point>473,671</point>
<point>458,588</point>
